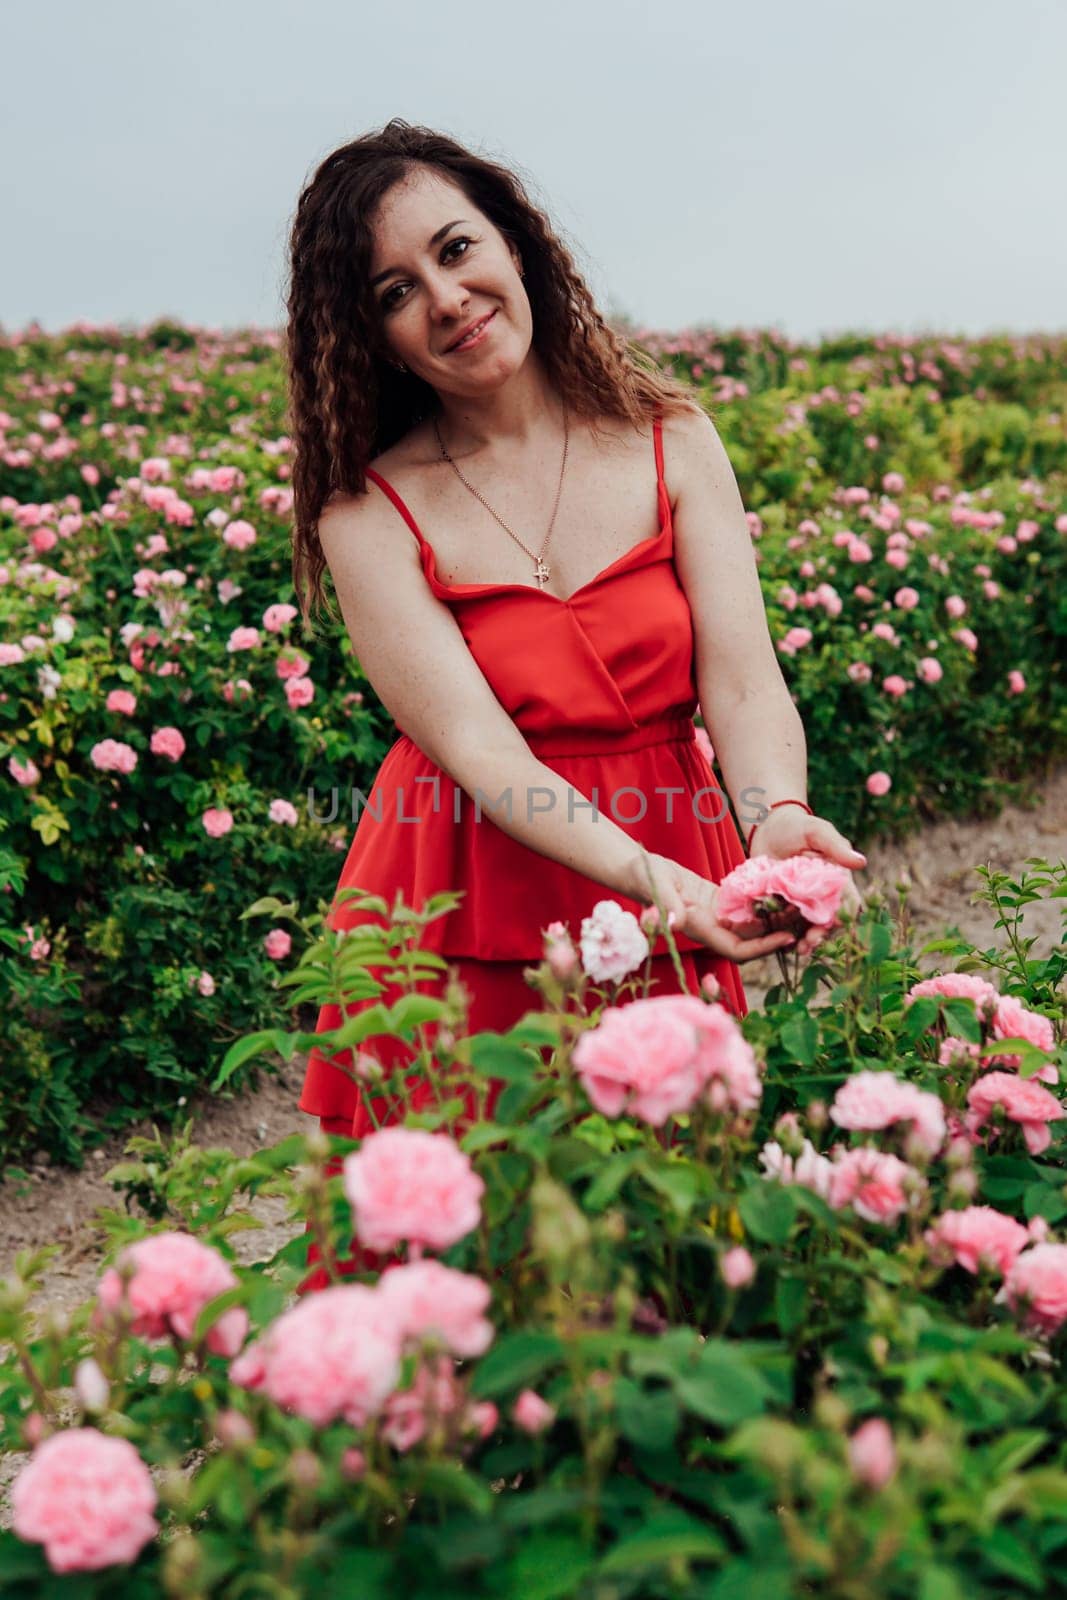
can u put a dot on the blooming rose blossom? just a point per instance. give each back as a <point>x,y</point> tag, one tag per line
<point>26,775</point>
<point>737,1267</point>
<point>1037,1286</point>
<point>1016,682</point>
<point>87,1498</point>
<point>408,1184</point>
<point>278,944</point>
<point>243,639</point>
<point>978,1236</point>
<point>560,953</point>
<point>91,1386</point>
<point>810,885</point>
<point>239,535</point>
<point>433,1398</point>
<point>877,1186</point>
<point>299,692</point>
<point>217,821</point>
<point>429,1301</point>
<point>957,986</point>
<point>612,943</point>
<point>278,617</point>
<point>334,1354</point>
<point>809,1169</point>
<point>285,812</point>
<point>123,701</point>
<point>1012,1020</point>
<point>111,755</point>
<point>167,742</point>
<point>292,664</point>
<point>174,1277</point>
<point>872,1454</point>
<point>895,685</point>
<point>205,985</point>
<point>878,783</point>
<point>930,670</point>
<point>531,1413</point>
<point>906,598</point>
<point>955,605</point>
<point>1022,1100</point>
<point>870,1101</point>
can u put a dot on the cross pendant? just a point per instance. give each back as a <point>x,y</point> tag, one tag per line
<point>542,573</point>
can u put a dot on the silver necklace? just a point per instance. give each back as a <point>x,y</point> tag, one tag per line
<point>541,571</point>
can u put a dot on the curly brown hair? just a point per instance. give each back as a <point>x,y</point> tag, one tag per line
<point>347,402</point>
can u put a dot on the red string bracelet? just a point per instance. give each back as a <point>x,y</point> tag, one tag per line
<point>774,807</point>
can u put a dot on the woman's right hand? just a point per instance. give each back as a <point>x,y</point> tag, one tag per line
<point>693,900</point>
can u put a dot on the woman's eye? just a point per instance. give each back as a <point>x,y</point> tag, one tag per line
<point>388,300</point>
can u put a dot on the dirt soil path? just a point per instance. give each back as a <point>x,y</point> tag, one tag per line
<point>58,1205</point>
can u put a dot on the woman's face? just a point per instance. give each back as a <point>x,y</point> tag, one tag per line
<point>441,266</point>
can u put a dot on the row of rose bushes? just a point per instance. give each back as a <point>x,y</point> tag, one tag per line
<point>647,1302</point>
<point>166,734</point>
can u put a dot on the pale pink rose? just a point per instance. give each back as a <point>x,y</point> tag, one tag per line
<point>878,783</point>
<point>978,1236</point>
<point>810,884</point>
<point>930,670</point>
<point>353,1464</point>
<point>955,605</point>
<point>11,655</point>
<point>87,1498</point>
<point>892,483</point>
<point>410,1414</point>
<point>239,535</point>
<point>860,672</point>
<point>90,474</point>
<point>1012,1020</point>
<point>155,469</point>
<point>277,944</point>
<point>957,986</point>
<point>859,550</point>
<point>408,1184</point>
<point>225,479</point>
<point>292,664</point>
<point>967,637</point>
<point>334,1354</point>
<point>243,639</point>
<point>895,685</point>
<point>991,590</point>
<point>428,1301</point>
<point>737,1267</point>
<point>1023,1101</point>
<point>725,1062</point>
<point>26,775</point>
<point>897,559</point>
<point>1037,1286</point>
<point>299,692</point>
<point>111,755</point>
<point>872,1454</point>
<point>284,811</point>
<point>869,1101</point>
<point>91,1386</point>
<point>641,1057</point>
<point>907,598</point>
<point>877,1186</point>
<point>123,701</point>
<point>957,1053</point>
<point>278,617</point>
<point>531,1413</point>
<point>560,953</point>
<point>205,985</point>
<point>863,591</point>
<point>174,1277</point>
<point>217,821</point>
<point>886,631</point>
<point>612,943</point>
<point>233,1429</point>
<point>1016,683</point>
<point>795,640</point>
<point>167,742</point>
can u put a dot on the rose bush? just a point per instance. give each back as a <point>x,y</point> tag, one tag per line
<point>803,1336</point>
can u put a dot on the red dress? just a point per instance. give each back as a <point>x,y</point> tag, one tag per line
<point>602,687</point>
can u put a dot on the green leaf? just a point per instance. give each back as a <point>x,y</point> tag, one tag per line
<point>800,1038</point>
<point>790,1302</point>
<point>744,1580</point>
<point>1007,1554</point>
<point>547,1566</point>
<point>516,1361</point>
<point>647,1417</point>
<point>723,1387</point>
<point>1039,1200</point>
<point>665,1537</point>
<point>676,1182</point>
<point>768,1211</point>
<point>880,944</point>
<point>253,1044</point>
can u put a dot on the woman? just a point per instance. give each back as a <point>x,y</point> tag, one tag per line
<point>537,645</point>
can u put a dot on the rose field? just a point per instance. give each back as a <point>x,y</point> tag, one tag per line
<point>650,1301</point>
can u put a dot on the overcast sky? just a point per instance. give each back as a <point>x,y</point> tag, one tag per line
<point>809,165</point>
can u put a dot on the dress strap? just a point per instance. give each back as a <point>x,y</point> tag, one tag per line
<point>657,439</point>
<point>398,503</point>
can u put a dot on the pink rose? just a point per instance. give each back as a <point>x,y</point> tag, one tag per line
<point>737,1267</point>
<point>88,1498</point>
<point>955,605</point>
<point>299,692</point>
<point>174,1277</point>
<point>243,639</point>
<point>277,944</point>
<point>111,755</point>
<point>1012,1020</point>
<point>428,1301</point>
<point>408,1184</point>
<point>217,821</point>
<point>292,664</point>
<point>872,1454</point>
<point>860,672</point>
<point>957,986</point>
<point>978,1236</point>
<point>167,742</point>
<point>1016,683</point>
<point>877,1186</point>
<point>278,617</point>
<point>123,701</point>
<point>870,1101</point>
<point>878,783</point>
<point>1022,1100</point>
<point>810,885</point>
<point>239,535</point>
<point>907,599</point>
<point>612,943</point>
<point>283,811</point>
<point>26,775</point>
<point>930,670</point>
<point>895,685</point>
<point>1037,1286</point>
<point>334,1354</point>
<point>531,1413</point>
<point>892,483</point>
<point>205,985</point>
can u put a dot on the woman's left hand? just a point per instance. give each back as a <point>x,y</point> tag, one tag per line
<point>790,831</point>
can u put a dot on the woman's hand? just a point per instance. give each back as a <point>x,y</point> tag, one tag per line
<point>790,831</point>
<point>693,900</point>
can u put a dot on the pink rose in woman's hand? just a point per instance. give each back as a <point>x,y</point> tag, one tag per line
<point>765,885</point>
